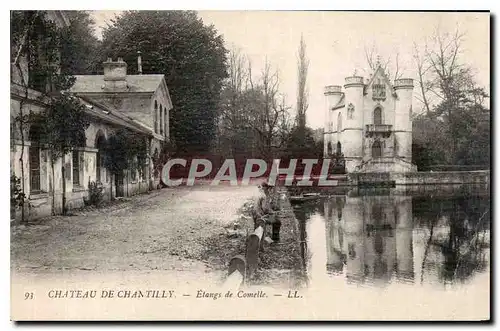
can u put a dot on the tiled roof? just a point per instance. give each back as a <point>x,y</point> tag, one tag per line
<point>136,83</point>
<point>111,115</point>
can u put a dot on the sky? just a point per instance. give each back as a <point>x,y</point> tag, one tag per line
<point>336,43</point>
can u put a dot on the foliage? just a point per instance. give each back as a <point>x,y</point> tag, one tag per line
<point>60,127</point>
<point>254,119</point>
<point>62,123</point>
<point>454,127</point>
<point>80,49</point>
<point>17,196</point>
<point>122,149</point>
<point>192,57</point>
<point>301,144</point>
<point>95,193</point>
<point>39,40</point>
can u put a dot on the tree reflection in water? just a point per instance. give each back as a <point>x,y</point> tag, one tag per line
<point>464,245</point>
<point>381,236</point>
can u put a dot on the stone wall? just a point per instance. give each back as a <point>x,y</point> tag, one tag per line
<point>424,178</point>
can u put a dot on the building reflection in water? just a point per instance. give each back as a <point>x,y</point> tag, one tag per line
<point>377,237</point>
<point>369,238</point>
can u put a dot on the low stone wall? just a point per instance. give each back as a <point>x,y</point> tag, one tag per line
<point>40,205</point>
<point>442,177</point>
<point>423,178</point>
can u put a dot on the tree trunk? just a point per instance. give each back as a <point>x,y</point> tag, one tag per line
<point>21,160</point>
<point>53,186</point>
<point>63,173</point>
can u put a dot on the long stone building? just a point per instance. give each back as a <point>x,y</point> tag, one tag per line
<point>370,123</point>
<point>113,101</point>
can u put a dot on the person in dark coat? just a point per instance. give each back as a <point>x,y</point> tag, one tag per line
<point>265,207</point>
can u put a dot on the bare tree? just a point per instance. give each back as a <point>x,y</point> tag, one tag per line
<point>268,114</point>
<point>442,53</point>
<point>423,68</point>
<point>388,65</point>
<point>449,95</point>
<point>253,116</point>
<point>232,113</point>
<point>237,69</point>
<point>302,91</point>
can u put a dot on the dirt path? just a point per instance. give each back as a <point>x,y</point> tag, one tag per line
<point>164,231</point>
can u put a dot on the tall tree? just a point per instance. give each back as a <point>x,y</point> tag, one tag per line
<point>271,113</point>
<point>80,48</point>
<point>62,122</point>
<point>190,54</point>
<point>253,117</point>
<point>452,102</point>
<point>302,91</point>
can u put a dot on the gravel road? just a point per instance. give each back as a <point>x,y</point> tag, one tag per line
<point>166,230</point>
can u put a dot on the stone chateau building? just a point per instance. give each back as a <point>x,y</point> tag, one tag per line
<point>370,123</point>
<point>115,100</point>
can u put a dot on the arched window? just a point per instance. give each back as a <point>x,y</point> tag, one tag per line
<point>156,116</point>
<point>165,120</point>
<point>339,148</point>
<point>161,119</point>
<point>378,90</point>
<point>377,116</point>
<point>339,122</point>
<point>376,149</point>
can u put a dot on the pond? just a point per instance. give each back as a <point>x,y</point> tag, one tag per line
<point>382,237</point>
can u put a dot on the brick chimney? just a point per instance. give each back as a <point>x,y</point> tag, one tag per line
<point>115,74</point>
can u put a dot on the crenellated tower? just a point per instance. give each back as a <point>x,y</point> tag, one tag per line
<point>352,122</point>
<point>333,94</point>
<point>371,123</point>
<point>403,118</point>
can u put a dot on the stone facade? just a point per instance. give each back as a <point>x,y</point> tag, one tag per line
<point>140,103</point>
<point>370,122</point>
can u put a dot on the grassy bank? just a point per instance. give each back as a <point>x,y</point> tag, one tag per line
<point>281,263</point>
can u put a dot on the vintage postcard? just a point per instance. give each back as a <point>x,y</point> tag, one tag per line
<point>250,165</point>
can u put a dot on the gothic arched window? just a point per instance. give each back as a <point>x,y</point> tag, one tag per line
<point>339,122</point>
<point>377,116</point>
<point>161,119</point>
<point>376,149</point>
<point>156,116</point>
<point>378,90</point>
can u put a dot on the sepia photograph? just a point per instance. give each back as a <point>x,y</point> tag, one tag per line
<point>257,165</point>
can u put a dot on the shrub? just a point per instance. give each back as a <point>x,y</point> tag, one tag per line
<point>17,196</point>
<point>95,194</point>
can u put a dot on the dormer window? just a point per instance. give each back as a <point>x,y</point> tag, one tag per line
<point>378,90</point>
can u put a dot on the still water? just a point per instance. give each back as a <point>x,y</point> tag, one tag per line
<point>382,237</point>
